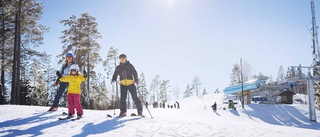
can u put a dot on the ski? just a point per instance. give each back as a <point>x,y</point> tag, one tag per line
<point>135,115</point>
<point>71,118</point>
<point>132,115</point>
<point>64,118</point>
<point>74,119</point>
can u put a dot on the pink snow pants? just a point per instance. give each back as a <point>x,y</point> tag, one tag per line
<point>74,103</point>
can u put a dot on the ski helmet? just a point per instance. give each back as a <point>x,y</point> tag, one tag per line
<point>74,67</point>
<point>122,56</point>
<point>69,55</point>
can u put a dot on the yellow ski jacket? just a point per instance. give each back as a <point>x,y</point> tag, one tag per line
<point>74,83</point>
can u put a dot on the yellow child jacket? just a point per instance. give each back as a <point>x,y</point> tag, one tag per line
<point>74,83</point>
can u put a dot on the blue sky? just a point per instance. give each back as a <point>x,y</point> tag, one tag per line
<point>181,39</point>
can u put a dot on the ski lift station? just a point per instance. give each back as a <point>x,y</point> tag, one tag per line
<point>252,87</point>
<point>246,87</point>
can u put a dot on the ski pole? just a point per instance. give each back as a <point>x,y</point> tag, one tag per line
<point>144,101</point>
<point>149,113</point>
<point>203,102</point>
<point>114,109</point>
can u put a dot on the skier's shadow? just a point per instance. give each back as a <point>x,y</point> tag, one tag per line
<point>103,127</point>
<point>34,131</point>
<point>28,120</point>
<point>235,112</point>
<point>216,113</point>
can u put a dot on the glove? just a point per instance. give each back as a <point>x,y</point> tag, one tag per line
<point>57,82</point>
<point>85,74</point>
<point>58,74</point>
<point>137,83</point>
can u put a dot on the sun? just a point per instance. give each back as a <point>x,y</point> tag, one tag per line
<point>170,2</point>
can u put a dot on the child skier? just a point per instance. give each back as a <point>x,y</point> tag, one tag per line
<point>74,90</point>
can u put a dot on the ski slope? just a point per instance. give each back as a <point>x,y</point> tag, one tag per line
<point>194,118</point>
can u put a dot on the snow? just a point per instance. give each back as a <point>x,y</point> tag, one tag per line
<point>194,118</point>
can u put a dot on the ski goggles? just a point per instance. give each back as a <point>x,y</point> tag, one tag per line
<point>69,57</point>
<point>73,70</point>
<point>122,59</point>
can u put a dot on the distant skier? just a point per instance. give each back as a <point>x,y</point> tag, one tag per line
<point>155,104</point>
<point>214,107</point>
<point>178,105</point>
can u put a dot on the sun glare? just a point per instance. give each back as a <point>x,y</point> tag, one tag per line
<point>170,2</point>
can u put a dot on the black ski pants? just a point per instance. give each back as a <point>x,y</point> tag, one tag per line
<point>133,91</point>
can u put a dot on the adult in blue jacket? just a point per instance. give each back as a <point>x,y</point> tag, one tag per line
<point>62,85</point>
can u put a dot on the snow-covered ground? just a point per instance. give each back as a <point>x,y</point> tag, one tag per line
<point>194,118</point>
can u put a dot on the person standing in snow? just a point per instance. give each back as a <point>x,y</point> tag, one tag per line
<point>214,107</point>
<point>62,85</point>
<point>164,104</point>
<point>178,105</point>
<point>128,76</point>
<point>74,90</point>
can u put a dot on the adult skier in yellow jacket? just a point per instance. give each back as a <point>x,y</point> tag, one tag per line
<point>74,90</point>
<point>128,76</point>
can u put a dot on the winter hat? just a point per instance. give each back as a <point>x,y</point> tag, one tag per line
<point>122,56</point>
<point>69,55</point>
<point>74,66</point>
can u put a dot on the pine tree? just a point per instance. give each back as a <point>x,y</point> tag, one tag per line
<point>188,91</point>
<point>235,75</point>
<point>280,77</point>
<point>196,85</point>
<point>217,91</point>
<point>99,98</point>
<point>19,22</point>
<point>204,92</point>
<point>176,91</point>
<point>164,85</point>
<point>154,88</point>
<point>110,64</point>
<point>142,88</point>
<point>81,38</point>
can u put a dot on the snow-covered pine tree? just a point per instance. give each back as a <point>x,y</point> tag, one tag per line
<point>188,92</point>
<point>99,99</point>
<point>164,85</point>
<point>235,75</point>
<point>38,94</point>
<point>176,91</point>
<point>217,91</point>
<point>196,85</point>
<point>280,77</point>
<point>204,92</point>
<point>154,88</point>
<point>143,91</point>
<point>110,64</point>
